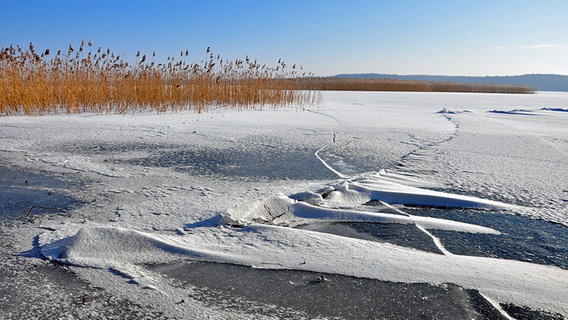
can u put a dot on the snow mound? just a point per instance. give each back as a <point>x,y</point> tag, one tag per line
<point>119,250</point>
<point>330,204</point>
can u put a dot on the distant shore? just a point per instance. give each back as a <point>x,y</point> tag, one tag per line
<point>540,82</point>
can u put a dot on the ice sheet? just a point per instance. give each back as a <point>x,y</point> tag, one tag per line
<point>149,200</point>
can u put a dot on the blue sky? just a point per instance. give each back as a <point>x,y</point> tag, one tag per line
<point>444,37</point>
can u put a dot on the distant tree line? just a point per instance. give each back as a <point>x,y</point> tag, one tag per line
<point>540,82</point>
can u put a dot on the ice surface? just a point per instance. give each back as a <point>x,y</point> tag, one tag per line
<point>230,187</point>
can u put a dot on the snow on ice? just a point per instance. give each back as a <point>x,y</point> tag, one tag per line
<point>152,196</point>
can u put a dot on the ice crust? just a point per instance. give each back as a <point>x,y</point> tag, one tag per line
<point>284,210</point>
<point>143,214</point>
<point>275,247</point>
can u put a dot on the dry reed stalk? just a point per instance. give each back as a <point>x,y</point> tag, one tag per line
<point>100,81</point>
<point>88,80</point>
<point>357,84</point>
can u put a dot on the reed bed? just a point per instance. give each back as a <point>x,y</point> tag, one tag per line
<point>358,84</point>
<point>88,80</point>
<point>97,80</point>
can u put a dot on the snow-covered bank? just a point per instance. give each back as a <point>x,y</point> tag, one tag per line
<point>164,188</point>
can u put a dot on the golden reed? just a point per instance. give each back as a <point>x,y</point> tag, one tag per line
<point>88,80</point>
<point>359,84</point>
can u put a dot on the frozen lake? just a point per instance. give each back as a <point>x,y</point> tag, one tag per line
<point>457,198</point>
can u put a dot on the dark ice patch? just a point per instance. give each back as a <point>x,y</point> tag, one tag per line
<point>517,312</point>
<point>268,163</point>
<point>111,148</point>
<point>522,239</point>
<point>27,194</point>
<point>406,235</point>
<point>514,112</point>
<point>555,109</point>
<point>304,294</point>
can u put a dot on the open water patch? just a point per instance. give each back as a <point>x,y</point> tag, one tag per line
<point>304,294</point>
<point>521,238</point>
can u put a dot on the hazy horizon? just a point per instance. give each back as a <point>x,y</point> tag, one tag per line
<point>409,37</point>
